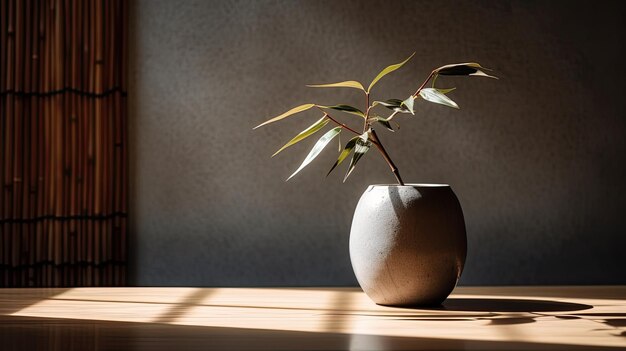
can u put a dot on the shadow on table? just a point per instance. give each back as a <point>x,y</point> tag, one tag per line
<point>517,311</point>
<point>509,305</point>
<point>16,299</point>
<point>38,334</point>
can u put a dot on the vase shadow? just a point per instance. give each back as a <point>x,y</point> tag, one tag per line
<point>508,305</point>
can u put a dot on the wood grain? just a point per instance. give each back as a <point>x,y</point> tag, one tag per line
<point>521,318</point>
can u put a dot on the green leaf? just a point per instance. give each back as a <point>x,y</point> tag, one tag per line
<point>464,69</point>
<point>346,151</point>
<point>386,124</point>
<point>339,143</point>
<point>394,104</point>
<point>435,96</point>
<point>287,114</point>
<point>444,90</point>
<point>346,108</point>
<point>346,84</point>
<point>408,103</point>
<point>388,70</point>
<point>362,146</point>
<point>384,121</point>
<point>391,103</point>
<point>317,148</point>
<point>305,133</point>
<point>441,90</point>
<point>435,76</point>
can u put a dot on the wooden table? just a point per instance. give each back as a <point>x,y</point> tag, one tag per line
<point>523,318</point>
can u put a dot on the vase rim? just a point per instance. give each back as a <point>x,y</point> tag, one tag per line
<point>420,185</point>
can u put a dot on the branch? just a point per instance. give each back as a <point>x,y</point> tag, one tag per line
<point>341,124</point>
<point>382,150</point>
<point>424,84</point>
<point>367,111</point>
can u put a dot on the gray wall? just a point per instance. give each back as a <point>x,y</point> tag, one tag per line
<point>537,158</point>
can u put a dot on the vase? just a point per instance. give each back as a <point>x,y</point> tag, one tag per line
<point>408,243</point>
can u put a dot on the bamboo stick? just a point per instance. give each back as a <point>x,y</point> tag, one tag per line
<point>32,142</point>
<point>63,142</point>
<point>3,138</point>
<point>18,138</point>
<point>41,190</point>
<point>6,140</point>
<point>4,18</point>
<point>47,150</point>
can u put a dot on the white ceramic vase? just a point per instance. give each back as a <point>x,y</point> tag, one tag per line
<point>408,243</point>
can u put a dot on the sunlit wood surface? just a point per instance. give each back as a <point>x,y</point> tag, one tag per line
<point>533,318</point>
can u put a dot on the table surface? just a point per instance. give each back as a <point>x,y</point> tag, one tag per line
<point>522,318</point>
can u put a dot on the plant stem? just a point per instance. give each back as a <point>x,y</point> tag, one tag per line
<point>374,137</point>
<point>424,84</point>
<point>392,115</point>
<point>341,124</point>
<point>367,111</point>
<point>378,144</point>
<point>382,150</point>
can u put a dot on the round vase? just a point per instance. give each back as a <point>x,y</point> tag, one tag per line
<point>408,243</point>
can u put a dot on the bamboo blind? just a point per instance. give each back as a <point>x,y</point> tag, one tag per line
<point>63,137</point>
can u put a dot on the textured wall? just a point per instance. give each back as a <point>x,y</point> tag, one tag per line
<point>537,158</point>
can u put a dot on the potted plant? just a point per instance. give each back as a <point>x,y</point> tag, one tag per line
<point>407,241</point>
